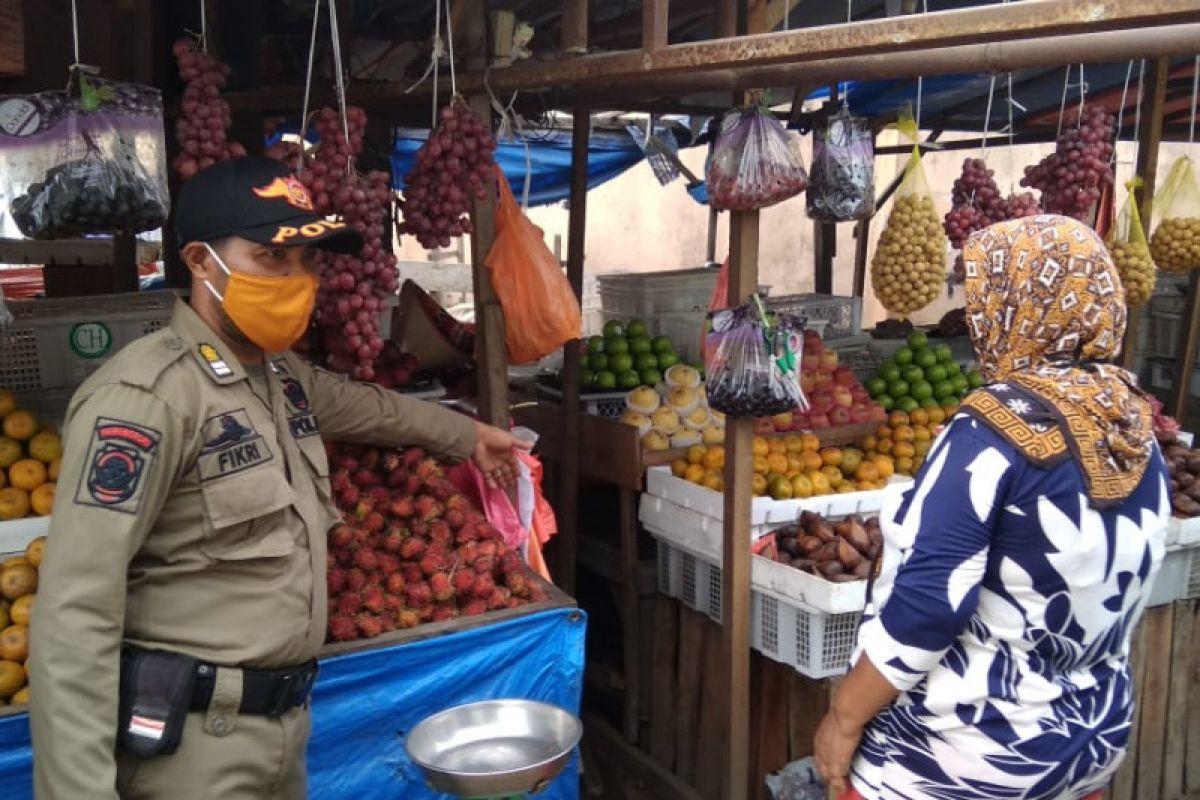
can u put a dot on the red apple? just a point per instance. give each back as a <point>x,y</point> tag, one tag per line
<point>813,343</point>
<point>860,412</point>
<point>840,416</point>
<point>823,377</point>
<point>860,395</point>
<point>763,426</point>
<point>802,421</point>
<point>829,359</point>
<point>783,422</point>
<point>818,421</point>
<point>877,413</point>
<point>808,381</point>
<point>821,403</point>
<point>844,376</point>
<point>842,397</point>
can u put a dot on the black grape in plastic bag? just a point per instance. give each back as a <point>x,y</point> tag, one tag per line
<point>751,369</point>
<point>842,180</point>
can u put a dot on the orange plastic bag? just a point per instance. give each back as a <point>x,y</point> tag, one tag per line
<point>541,312</point>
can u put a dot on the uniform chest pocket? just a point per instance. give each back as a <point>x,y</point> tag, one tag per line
<point>249,515</point>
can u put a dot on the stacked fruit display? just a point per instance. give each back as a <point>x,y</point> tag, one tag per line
<point>835,395</point>
<point>626,356</point>
<point>791,467</point>
<point>920,376</point>
<point>18,591</point>
<point>411,548</point>
<point>1183,468</point>
<point>30,458</point>
<point>674,413</point>
<point>906,438</point>
<point>840,551</point>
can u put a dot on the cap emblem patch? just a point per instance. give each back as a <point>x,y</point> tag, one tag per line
<point>288,189</point>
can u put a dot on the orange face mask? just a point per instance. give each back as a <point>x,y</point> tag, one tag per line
<point>271,312</point>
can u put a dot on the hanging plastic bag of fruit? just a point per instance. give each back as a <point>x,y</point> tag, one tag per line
<point>756,163</point>
<point>541,312</point>
<point>1175,244</point>
<point>1130,251</point>
<point>753,362</point>
<point>842,181</point>
<point>909,267</point>
<point>88,160</point>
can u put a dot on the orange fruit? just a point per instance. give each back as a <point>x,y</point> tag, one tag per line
<point>885,447</point>
<point>8,403</point>
<point>10,452</point>
<point>714,480</point>
<point>868,443</point>
<point>897,418</point>
<point>885,466</point>
<point>695,453</point>
<point>795,463</point>
<point>14,503</point>
<point>833,474</point>
<point>21,698</point>
<point>12,678</point>
<point>864,486</point>
<point>45,446</point>
<point>760,446</point>
<point>14,643</point>
<point>950,409</point>
<point>921,433</point>
<point>867,472</point>
<point>851,458</point>
<point>904,465</point>
<point>54,468</point>
<point>883,432</point>
<point>679,467</point>
<point>41,499</point>
<point>760,465</point>
<point>776,446</point>
<point>779,487</point>
<point>793,444</point>
<point>921,449</point>
<point>802,487</point>
<point>17,581</point>
<point>810,443</point>
<point>13,561</point>
<point>758,485</point>
<point>936,416</point>
<point>812,460</point>
<point>20,425</point>
<point>695,473</point>
<point>846,488</point>
<point>919,416</point>
<point>714,458</point>
<point>21,609</point>
<point>3,479</point>
<point>777,463</point>
<point>903,434</point>
<point>831,457</point>
<point>904,450</point>
<point>27,474</point>
<point>820,483</point>
<point>918,462</point>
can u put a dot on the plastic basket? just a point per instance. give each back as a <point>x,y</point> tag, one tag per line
<point>1167,327</point>
<point>610,405</point>
<point>842,315</point>
<point>1178,577</point>
<point>58,343</point>
<point>815,644</point>
<point>643,295</point>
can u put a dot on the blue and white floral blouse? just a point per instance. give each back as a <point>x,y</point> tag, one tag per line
<point>1003,614</point>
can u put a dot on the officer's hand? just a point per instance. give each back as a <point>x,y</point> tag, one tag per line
<point>494,455</point>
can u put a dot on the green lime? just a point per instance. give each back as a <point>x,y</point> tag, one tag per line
<point>639,345</point>
<point>904,356</point>
<point>613,329</point>
<point>944,388</point>
<point>913,373</point>
<point>595,344</point>
<point>952,368</point>
<point>637,330</point>
<point>889,373</point>
<point>662,344</point>
<point>921,390</point>
<point>948,400</point>
<point>974,379</point>
<point>959,383</point>
<point>917,339</point>
<point>925,358</point>
<point>597,362</point>
<point>615,344</point>
<point>651,377</point>
<point>606,380</point>
<point>907,404</point>
<point>886,403</point>
<point>877,387</point>
<point>621,362</point>
<point>931,402</point>
<point>668,360</point>
<point>944,354</point>
<point>935,374</point>
<point>645,361</point>
<point>587,377</point>
<point>629,379</point>
<point>897,389</point>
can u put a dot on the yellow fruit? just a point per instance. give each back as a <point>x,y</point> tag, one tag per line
<point>41,499</point>
<point>897,418</point>
<point>802,487</point>
<point>883,432</point>
<point>13,561</point>
<point>884,447</point>
<point>833,474</point>
<point>21,610</point>
<point>779,487</point>
<point>714,458</point>
<point>908,269</point>
<point>831,457</point>
<point>695,473</point>
<point>45,446</point>
<point>10,452</point>
<point>1175,245</point>
<point>760,465</point>
<point>21,698</point>
<point>820,483</point>
<point>14,503</point>
<point>867,472</point>
<point>918,462</point>
<point>869,443</point>
<point>921,449</point>
<point>904,450</point>
<point>17,581</point>
<point>695,453</point>
<point>846,488</point>
<point>679,467</point>
<point>950,410</point>
<point>850,461</point>
<point>903,433</point>
<point>14,643</point>
<point>904,465</point>
<point>760,446</point>
<point>776,446</point>
<point>27,474</point>
<point>885,466</point>
<point>919,416</point>
<point>758,485</point>
<point>5,618</point>
<point>778,463</point>
<point>809,443</point>
<point>8,403</point>
<point>810,460</point>
<point>795,464</point>
<point>20,425</point>
<point>12,678</point>
<point>714,480</point>
<point>921,433</point>
<point>863,486</point>
<point>54,468</point>
<point>793,444</point>
<point>936,416</point>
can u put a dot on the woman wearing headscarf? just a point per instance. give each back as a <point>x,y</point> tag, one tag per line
<point>992,661</point>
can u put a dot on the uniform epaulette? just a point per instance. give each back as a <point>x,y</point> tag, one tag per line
<point>142,363</point>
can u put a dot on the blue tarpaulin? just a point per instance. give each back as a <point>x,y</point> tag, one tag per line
<point>365,702</point>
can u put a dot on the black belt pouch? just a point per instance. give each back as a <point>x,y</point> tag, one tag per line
<point>156,694</point>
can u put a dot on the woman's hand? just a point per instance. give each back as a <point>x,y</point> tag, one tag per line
<point>493,455</point>
<point>834,748</point>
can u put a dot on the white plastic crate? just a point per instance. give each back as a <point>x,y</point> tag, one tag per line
<point>644,295</point>
<point>703,538</point>
<point>58,343</point>
<point>815,644</point>
<point>1183,532</point>
<point>1178,577</point>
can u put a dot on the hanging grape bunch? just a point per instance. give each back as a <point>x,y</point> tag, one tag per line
<point>1072,178</point>
<point>975,202</point>
<point>202,129</point>
<point>453,167</point>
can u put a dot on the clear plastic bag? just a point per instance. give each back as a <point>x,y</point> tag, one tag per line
<point>1176,241</point>
<point>1130,251</point>
<point>753,368</point>
<point>842,181</point>
<point>88,160</point>
<point>756,163</point>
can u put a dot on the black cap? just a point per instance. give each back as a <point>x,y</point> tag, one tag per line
<point>257,199</point>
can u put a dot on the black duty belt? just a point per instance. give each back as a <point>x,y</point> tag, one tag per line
<point>270,693</point>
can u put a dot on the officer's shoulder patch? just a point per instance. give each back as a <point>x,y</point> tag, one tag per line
<point>118,457</point>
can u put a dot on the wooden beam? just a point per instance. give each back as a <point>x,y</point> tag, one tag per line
<point>726,18</point>
<point>630,645</point>
<point>574,27</point>
<point>1149,138</point>
<point>655,24</point>
<point>862,241</point>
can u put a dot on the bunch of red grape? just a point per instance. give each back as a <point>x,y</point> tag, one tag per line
<point>976,202</point>
<point>1072,178</point>
<point>1022,205</point>
<point>454,166</point>
<point>203,126</point>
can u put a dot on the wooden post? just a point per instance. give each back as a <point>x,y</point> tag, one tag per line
<point>490,350</point>
<point>630,646</point>
<point>735,574</point>
<point>1149,137</point>
<point>568,500</point>
<point>655,24</point>
<point>574,26</point>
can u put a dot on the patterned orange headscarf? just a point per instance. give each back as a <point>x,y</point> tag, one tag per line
<point>1046,309</point>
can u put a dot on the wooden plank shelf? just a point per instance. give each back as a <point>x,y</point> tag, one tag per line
<point>71,252</point>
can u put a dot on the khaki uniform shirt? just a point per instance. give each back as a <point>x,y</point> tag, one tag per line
<point>191,516</point>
